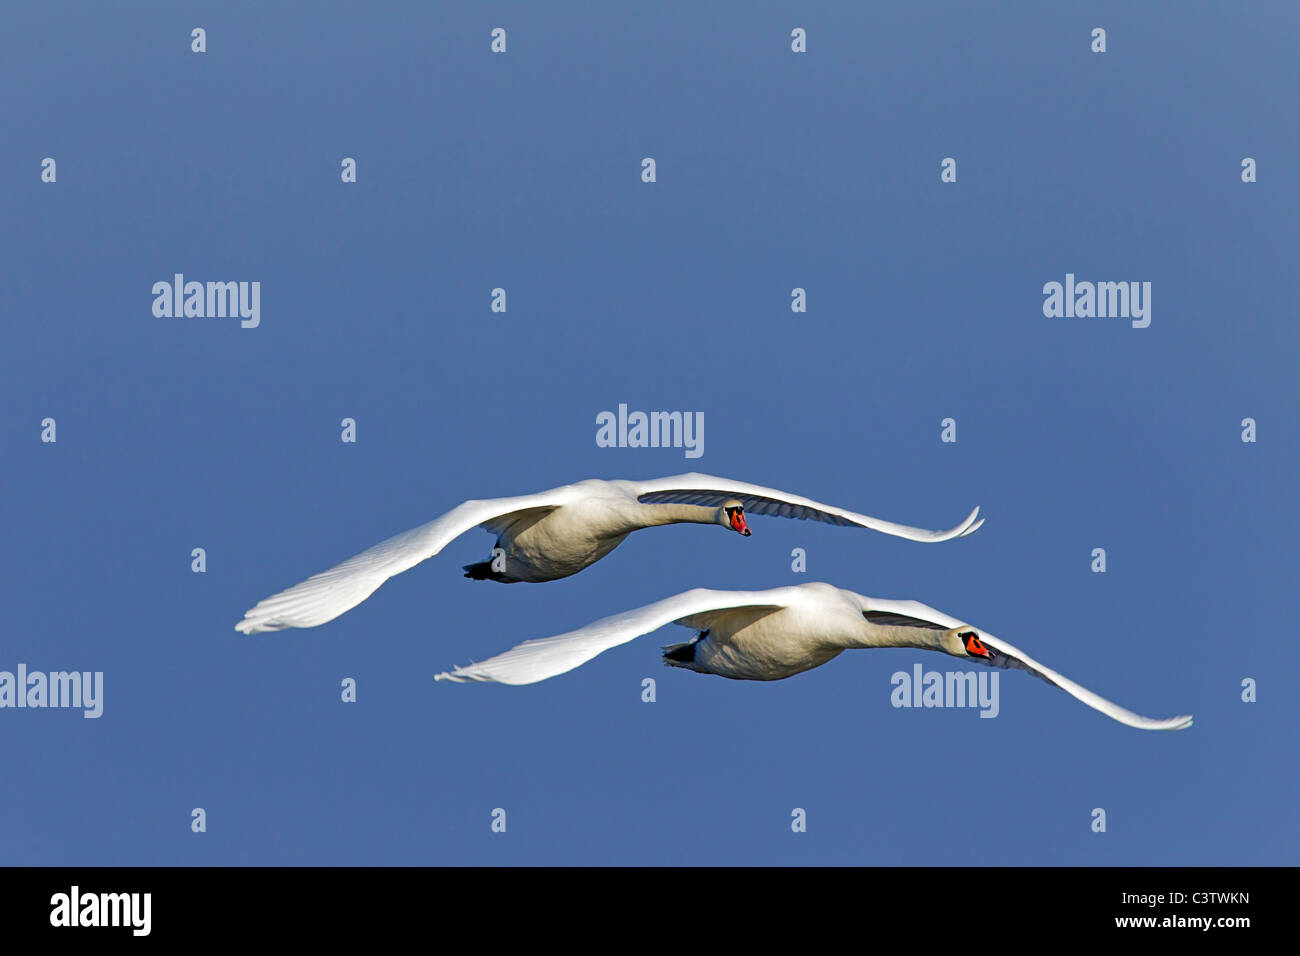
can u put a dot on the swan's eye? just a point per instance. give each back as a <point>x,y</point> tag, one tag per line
<point>974,646</point>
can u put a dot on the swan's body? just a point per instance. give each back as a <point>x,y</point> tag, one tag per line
<point>554,534</point>
<point>770,635</point>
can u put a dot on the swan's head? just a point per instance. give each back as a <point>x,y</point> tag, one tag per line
<point>732,515</point>
<point>965,642</point>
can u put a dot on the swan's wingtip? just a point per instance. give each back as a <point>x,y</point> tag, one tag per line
<point>457,676</point>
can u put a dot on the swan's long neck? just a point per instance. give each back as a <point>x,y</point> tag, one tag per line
<point>896,635</point>
<point>650,516</point>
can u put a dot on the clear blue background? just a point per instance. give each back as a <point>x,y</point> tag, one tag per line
<point>523,171</point>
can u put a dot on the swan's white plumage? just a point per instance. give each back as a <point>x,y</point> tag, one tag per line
<point>545,657</point>
<point>813,614</point>
<point>1022,661</point>
<point>324,596</point>
<point>569,528</point>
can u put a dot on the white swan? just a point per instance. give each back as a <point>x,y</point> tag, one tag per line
<point>554,534</point>
<point>769,635</point>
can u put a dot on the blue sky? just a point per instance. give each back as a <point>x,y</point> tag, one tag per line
<point>774,171</point>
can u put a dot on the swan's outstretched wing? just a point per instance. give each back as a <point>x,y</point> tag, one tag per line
<point>546,657</point>
<point>323,597</point>
<point>1006,655</point>
<point>697,489</point>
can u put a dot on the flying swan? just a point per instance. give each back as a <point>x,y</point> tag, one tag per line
<point>554,534</point>
<point>770,635</point>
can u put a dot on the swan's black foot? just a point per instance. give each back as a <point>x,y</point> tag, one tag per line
<point>482,571</point>
<point>680,653</point>
<point>683,653</point>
